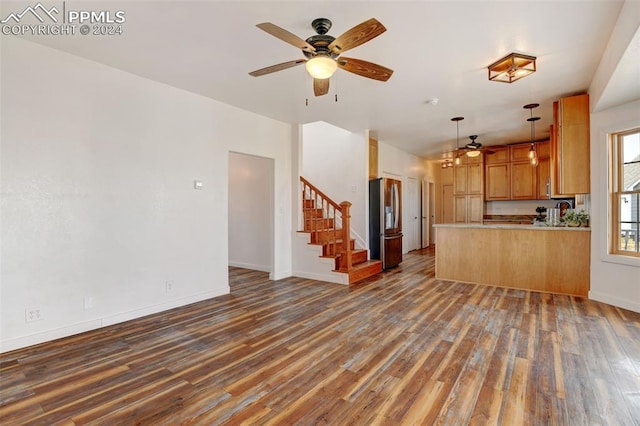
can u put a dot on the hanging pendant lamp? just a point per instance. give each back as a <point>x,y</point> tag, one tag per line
<point>457,120</point>
<point>533,155</point>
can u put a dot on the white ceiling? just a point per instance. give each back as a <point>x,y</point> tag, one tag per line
<point>437,49</point>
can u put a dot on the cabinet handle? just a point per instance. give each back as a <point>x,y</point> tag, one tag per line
<point>548,189</point>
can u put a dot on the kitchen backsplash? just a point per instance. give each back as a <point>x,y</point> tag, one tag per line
<point>526,207</point>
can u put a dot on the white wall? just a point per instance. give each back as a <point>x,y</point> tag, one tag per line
<point>334,160</point>
<point>614,279</point>
<point>250,211</point>
<point>97,196</point>
<point>398,164</point>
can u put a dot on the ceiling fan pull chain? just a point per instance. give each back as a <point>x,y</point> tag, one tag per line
<point>306,102</point>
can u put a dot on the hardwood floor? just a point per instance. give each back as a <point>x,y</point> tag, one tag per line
<point>403,348</point>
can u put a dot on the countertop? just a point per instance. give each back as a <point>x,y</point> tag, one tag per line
<point>511,226</point>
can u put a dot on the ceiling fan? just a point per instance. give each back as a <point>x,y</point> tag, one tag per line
<point>472,149</point>
<point>323,51</point>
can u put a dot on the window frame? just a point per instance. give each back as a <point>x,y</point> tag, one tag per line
<point>616,192</point>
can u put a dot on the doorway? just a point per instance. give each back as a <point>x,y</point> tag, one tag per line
<point>428,213</point>
<point>250,219</point>
<point>413,212</point>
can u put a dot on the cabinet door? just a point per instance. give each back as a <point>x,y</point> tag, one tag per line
<point>570,167</point>
<point>574,161</point>
<point>520,152</point>
<point>498,155</point>
<point>475,208</point>
<point>460,209</point>
<point>543,149</point>
<point>544,179</point>
<point>474,175</point>
<point>460,180</point>
<point>497,182</point>
<point>523,181</point>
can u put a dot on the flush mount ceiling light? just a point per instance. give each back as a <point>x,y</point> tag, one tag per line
<point>446,164</point>
<point>512,67</point>
<point>321,66</point>
<point>533,156</point>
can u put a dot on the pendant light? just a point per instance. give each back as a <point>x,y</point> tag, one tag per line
<point>533,156</point>
<point>457,120</point>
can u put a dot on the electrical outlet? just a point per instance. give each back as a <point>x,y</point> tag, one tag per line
<point>88,303</point>
<point>32,314</point>
<point>169,286</point>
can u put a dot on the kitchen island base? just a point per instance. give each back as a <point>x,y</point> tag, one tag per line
<point>554,260</point>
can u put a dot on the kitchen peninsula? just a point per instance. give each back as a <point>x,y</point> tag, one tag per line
<point>539,258</point>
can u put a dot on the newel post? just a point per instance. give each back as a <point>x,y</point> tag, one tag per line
<point>346,234</point>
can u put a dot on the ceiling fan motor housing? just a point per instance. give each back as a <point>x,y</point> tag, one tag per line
<point>321,25</point>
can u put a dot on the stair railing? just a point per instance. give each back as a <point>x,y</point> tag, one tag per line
<point>332,214</point>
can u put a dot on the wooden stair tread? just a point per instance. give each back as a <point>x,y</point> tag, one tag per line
<point>363,270</point>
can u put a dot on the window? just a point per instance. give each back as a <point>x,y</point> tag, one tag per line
<point>625,193</point>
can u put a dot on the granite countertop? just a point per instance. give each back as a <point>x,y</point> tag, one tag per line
<point>509,218</point>
<point>490,225</point>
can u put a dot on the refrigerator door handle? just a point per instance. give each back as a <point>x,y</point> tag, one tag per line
<point>396,203</point>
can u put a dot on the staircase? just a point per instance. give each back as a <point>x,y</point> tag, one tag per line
<point>328,226</point>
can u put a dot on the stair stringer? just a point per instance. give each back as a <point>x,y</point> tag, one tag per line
<point>308,263</point>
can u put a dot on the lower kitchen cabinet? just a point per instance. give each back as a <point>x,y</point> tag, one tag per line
<point>468,208</point>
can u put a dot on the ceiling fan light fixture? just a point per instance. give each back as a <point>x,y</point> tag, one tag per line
<point>321,67</point>
<point>473,153</point>
<point>512,68</point>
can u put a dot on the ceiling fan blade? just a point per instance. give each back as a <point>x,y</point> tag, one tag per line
<point>286,36</point>
<point>357,35</point>
<point>320,86</point>
<point>277,67</point>
<point>365,69</point>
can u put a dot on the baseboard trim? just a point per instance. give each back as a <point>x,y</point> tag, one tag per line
<point>615,301</point>
<point>94,324</point>
<point>244,265</point>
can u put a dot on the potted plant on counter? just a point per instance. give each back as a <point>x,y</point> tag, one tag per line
<point>576,218</point>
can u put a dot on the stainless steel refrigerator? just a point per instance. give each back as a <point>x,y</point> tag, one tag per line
<point>385,221</point>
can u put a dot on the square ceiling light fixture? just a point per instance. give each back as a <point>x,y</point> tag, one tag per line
<point>512,67</point>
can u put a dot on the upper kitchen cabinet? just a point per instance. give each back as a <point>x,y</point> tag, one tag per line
<point>509,174</point>
<point>570,158</point>
<point>497,174</point>
<point>543,172</point>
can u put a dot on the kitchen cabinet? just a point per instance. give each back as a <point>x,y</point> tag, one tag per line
<point>544,179</point>
<point>510,176</point>
<point>468,208</point>
<point>523,181</point>
<point>570,157</point>
<point>493,255</point>
<point>468,189</point>
<point>498,187</point>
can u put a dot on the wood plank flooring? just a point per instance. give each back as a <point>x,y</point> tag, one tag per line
<point>402,348</point>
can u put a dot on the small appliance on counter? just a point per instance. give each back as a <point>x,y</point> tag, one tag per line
<point>540,219</point>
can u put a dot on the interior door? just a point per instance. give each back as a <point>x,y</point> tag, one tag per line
<point>428,213</point>
<point>413,212</point>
